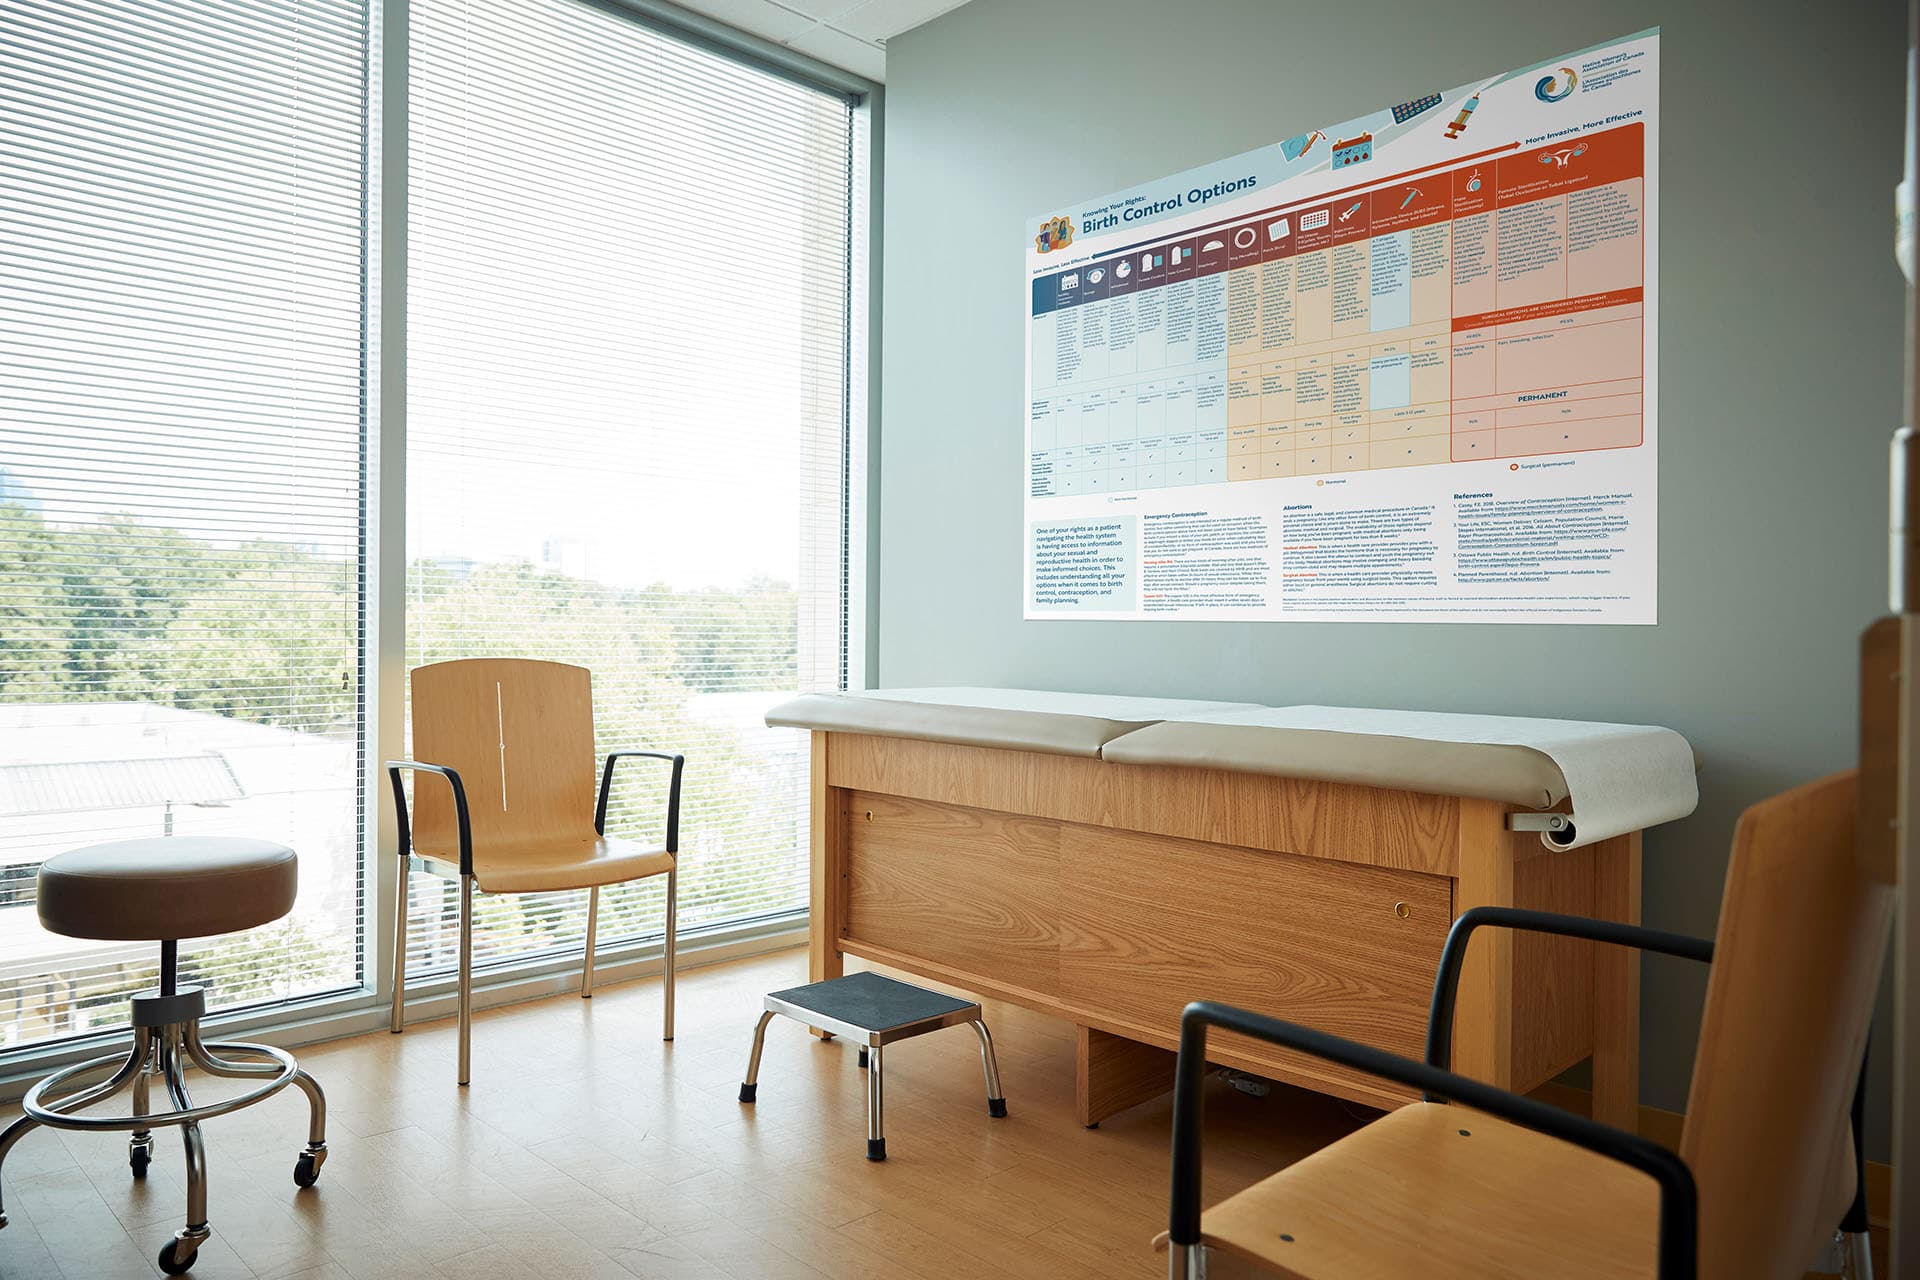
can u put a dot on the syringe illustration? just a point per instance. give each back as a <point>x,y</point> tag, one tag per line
<point>1459,125</point>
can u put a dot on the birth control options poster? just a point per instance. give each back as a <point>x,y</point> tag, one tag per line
<point>1397,369</point>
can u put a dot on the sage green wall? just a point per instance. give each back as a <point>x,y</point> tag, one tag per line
<point>1781,129</point>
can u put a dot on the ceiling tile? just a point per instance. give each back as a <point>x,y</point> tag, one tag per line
<point>843,50</point>
<point>777,22</point>
<point>884,19</point>
<point>822,9</point>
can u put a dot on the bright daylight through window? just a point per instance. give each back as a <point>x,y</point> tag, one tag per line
<point>180,473</point>
<point>628,327</point>
<point>629,297</point>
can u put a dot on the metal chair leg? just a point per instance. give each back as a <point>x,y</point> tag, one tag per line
<point>666,974</point>
<point>466,978</point>
<point>593,927</point>
<point>876,1128</point>
<point>15,1131</point>
<point>1856,1256</point>
<point>996,1101</point>
<point>1856,1251</point>
<point>750,1087</point>
<point>1187,1262</point>
<point>400,947</point>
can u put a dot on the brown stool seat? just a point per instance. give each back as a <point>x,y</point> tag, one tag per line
<point>165,889</point>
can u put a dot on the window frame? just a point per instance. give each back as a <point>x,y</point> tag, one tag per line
<point>383,540</point>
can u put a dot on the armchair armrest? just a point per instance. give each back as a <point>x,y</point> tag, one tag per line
<point>1678,1197</point>
<point>679,763</point>
<point>1446,981</point>
<point>463,824</point>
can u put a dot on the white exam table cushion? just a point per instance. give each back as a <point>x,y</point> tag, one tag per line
<point>1620,777</point>
<point>1067,724</point>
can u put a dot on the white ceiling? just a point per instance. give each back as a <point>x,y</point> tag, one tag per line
<point>847,33</point>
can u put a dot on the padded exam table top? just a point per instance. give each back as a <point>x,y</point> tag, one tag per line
<point>1619,777</point>
<point>1067,724</point>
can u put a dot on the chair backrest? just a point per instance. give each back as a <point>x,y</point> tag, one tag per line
<point>1803,932</point>
<point>520,734</point>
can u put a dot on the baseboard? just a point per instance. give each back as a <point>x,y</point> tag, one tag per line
<point>1664,1128</point>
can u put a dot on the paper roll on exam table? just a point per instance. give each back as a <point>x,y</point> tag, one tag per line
<point>1107,859</point>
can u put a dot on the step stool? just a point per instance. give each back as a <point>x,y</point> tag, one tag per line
<point>874,1011</point>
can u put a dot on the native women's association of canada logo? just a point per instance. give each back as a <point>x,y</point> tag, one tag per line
<point>1554,88</point>
<point>1055,233</point>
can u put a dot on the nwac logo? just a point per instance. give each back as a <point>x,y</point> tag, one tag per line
<point>1554,88</point>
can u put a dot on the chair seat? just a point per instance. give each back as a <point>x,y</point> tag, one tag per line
<point>168,888</point>
<point>1409,1196</point>
<point>563,862</point>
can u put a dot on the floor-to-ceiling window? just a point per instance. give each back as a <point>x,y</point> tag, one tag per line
<point>632,303</point>
<point>629,316</point>
<point>181,476</point>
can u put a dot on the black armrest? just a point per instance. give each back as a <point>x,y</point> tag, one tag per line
<point>463,824</point>
<point>1678,1197</point>
<point>1446,982</point>
<point>679,763</point>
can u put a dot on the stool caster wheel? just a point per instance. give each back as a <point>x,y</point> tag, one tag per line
<point>306,1170</point>
<point>172,1263</point>
<point>139,1156</point>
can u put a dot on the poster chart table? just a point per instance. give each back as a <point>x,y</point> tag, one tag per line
<point>1488,310</point>
<point>1106,860</point>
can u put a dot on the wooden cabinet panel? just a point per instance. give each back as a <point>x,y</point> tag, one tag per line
<point>1324,819</point>
<point>967,889</point>
<point>1149,923</point>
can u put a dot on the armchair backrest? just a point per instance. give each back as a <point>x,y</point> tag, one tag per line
<point>520,734</point>
<point>1803,932</point>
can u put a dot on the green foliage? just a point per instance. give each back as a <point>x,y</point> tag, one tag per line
<point>266,632</point>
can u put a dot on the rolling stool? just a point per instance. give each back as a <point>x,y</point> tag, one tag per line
<point>161,891</point>
<point>874,1011</point>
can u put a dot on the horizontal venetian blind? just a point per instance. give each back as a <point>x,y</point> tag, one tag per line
<point>180,472</point>
<point>628,319</point>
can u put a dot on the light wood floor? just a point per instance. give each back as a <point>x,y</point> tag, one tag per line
<point>586,1147</point>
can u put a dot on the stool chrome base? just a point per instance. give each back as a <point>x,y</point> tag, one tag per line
<point>166,1037</point>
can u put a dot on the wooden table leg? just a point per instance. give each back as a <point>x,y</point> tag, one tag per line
<point>827,881</point>
<point>1113,1073</point>
<point>1483,1011</point>
<point>1616,987</point>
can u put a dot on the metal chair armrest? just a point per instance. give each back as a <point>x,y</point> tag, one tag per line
<point>679,763</point>
<point>463,824</point>
<point>1678,1197</point>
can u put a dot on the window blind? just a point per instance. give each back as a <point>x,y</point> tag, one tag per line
<point>180,472</point>
<point>628,285</point>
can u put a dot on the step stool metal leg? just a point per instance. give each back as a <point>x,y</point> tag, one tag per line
<point>996,1101</point>
<point>750,1087</point>
<point>876,1131</point>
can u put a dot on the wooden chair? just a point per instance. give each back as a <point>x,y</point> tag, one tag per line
<point>1506,1186</point>
<point>513,739</point>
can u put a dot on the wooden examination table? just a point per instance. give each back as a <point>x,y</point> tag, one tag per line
<point>1107,860</point>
